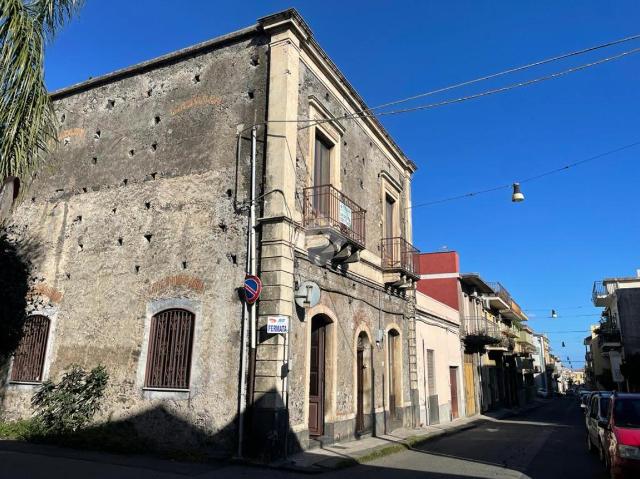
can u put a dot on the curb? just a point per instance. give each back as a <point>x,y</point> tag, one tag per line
<point>368,455</point>
<point>407,444</point>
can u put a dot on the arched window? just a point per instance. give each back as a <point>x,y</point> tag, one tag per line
<point>169,354</point>
<point>28,361</point>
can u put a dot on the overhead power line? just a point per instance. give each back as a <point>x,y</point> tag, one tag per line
<point>531,178</point>
<point>505,72</point>
<point>557,308</point>
<point>364,114</point>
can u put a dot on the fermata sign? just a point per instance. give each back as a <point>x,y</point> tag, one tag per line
<point>277,324</point>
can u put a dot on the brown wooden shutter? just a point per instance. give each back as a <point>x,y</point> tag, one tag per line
<point>28,361</point>
<point>170,345</point>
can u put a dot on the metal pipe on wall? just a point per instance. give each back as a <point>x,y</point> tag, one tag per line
<point>249,312</point>
<point>252,229</point>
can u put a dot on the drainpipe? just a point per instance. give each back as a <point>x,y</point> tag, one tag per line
<point>252,229</point>
<point>249,311</point>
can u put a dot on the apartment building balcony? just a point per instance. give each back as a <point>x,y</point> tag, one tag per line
<point>399,261</point>
<point>500,299</point>
<point>480,331</point>
<point>525,343</point>
<point>335,225</point>
<point>599,294</point>
<point>609,336</point>
<point>505,344</point>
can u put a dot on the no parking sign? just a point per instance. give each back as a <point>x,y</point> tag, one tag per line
<point>252,288</point>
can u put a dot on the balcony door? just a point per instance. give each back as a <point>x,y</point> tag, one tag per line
<point>390,247</point>
<point>322,176</point>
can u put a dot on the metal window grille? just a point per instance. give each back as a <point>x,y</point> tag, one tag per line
<point>170,345</point>
<point>28,361</point>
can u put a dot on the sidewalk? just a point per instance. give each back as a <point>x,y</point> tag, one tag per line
<point>360,451</point>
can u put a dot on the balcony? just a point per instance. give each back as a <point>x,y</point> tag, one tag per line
<point>609,336</point>
<point>599,294</point>
<point>501,292</point>
<point>525,344</point>
<point>399,258</point>
<point>480,331</point>
<point>500,299</point>
<point>505,343</point>
<point>334,223</point>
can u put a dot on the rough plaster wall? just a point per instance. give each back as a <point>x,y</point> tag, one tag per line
<point>361,160</point>
<point>351,314</point>
<point>141,188</point>
<point>629,314</point>
<point>361,163</point>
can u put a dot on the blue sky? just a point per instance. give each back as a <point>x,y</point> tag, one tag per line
<point>573,228</point>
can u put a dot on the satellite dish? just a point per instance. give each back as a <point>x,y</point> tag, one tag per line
<point>307,294</point>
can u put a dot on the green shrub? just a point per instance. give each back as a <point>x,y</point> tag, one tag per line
<point>70,404</point>
<point>24,429</point>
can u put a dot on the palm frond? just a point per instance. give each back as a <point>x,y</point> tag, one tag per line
<point>27,121</point>
<point>53,14</point>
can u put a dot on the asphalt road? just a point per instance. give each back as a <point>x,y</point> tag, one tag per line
<point>546,443</point>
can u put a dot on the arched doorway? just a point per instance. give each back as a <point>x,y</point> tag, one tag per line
<point>364,402</point>
<point>317,373</point>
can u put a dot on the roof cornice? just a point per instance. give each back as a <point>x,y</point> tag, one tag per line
<point>292,19</point>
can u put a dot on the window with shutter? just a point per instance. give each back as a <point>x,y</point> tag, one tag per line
<point>28,360</point>
<point>169,354</point>
<point>431,371</point>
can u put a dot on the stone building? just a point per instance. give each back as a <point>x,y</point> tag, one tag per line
<point>138,239</point>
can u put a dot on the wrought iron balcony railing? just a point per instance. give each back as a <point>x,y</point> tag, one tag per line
<point>399,255</point>
<point>327,207</point>
<point>478,326</point>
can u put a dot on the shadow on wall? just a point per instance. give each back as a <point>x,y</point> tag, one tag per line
<point>16,258</point>
<point>161,430</point>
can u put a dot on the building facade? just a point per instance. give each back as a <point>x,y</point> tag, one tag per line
<point>139,233</point>
<point>616,340</point>
<point>496,348</point>
<point>439,358</point>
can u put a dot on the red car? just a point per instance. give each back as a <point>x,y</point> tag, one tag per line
<point>622,436</point>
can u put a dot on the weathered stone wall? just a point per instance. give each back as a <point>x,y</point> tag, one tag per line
<point>357,302</point>
<point>362,162</point>
<point>135,212</point>
<point>354,307</point>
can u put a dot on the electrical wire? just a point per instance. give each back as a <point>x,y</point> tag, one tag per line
<point>463,98</point>
<point>526,180</point>
<point>504,72</point>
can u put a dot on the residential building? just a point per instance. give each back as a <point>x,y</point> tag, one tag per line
<point>494,365</point>
<point>143,223</point>
<point>618,334</point>
<point>439,361</point>
<point>540,361</point>
<point>597,363</point>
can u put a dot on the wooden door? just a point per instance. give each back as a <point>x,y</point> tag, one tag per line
<point>322,179</point>
<point>469,388</point>
<point>453,380</point>
<point>393,379</point>
<point>316,379</point>
<point>360,391</point>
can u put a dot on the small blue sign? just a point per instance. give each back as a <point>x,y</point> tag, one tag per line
<point>252,288</point>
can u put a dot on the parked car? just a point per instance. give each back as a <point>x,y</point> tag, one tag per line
<point>622,436</point>
<point>596,420</point>
<point>583,398</point>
